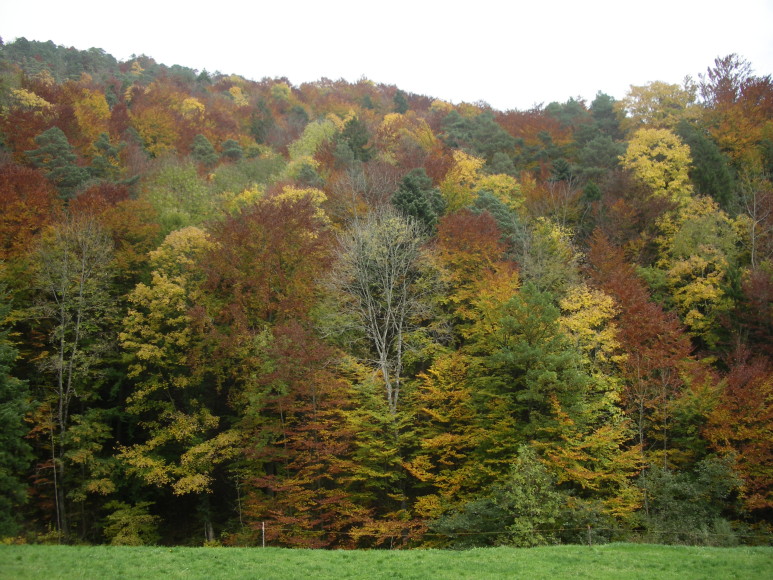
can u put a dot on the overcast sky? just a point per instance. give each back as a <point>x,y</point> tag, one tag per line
<point>511,55</point>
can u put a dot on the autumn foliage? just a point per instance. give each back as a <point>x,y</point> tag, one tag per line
<point>339,315</point>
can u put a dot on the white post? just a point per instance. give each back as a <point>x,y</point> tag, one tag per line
<point>263,533</point>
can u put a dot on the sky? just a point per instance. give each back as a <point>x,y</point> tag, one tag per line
<point>509,54</point>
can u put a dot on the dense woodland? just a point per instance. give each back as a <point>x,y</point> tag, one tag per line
<point>342,315</point>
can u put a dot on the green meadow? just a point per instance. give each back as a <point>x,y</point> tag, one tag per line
<point>614,561</point>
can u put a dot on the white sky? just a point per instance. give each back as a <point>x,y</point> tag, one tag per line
<point>510,54</point>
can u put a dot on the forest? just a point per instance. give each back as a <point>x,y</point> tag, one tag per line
<point>342,315</point>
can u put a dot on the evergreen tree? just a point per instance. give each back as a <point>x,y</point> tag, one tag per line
<point>400,102</point>
<point>203,151</point>
<point>416,197</point>
<point>56,157</point>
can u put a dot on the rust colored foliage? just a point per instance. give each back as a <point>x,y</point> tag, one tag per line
<point>742,424</point>
<point>269,257</point>
<point>471,252</point>
<point>28,203</point>
<point>98,198</point>
<point>654,341</point>
<point>300,438</point>
<point>755,311</point>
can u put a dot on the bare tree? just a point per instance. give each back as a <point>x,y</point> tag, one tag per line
<point>379,271</point>
<point>756,198</point>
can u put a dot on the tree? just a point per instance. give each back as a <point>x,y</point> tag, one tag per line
<point>710,172</point>
<point>547,255</point>
<point>657,105</point>
<point>92,113</point>
<point>659,159</point>
<point>687,506</point>
<point>756,197</point>
<point>480,135</point>
<point>460,183</point>
<point>400,102</point>
<point>416,197</point>
<point>738,110</point>
<point>740,426</point>
<point>56,158</point>
<point>178,195</point>
<point>73,278</point>
<point>105,163</point>
<point>232,150</point>
<point>698,251</point>
<point>526,364</point>
<point>15,455</point>
<point>29,202</point>
<point>523,510</point>
<point>355,135</point>
<point>379,268</point>
<point>445,467</point>
<point>655,343</point>
<point>473,263</point>
<point>203,152</point>
<point>267,261</point>
<point>180,440</point>
<point>298,447</point>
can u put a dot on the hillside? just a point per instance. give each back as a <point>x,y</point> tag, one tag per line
<point>344,315</point>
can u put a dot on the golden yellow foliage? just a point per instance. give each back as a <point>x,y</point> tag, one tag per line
<point>460,183</point>
<point>30,101</point>
<point>659,159</point>
<point>192,108</point>
<point>506,188</point>
<point>587,317</point>
<point>93,114</point>
<point>238,96</point>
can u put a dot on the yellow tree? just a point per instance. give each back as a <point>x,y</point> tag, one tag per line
<point>461,182</point>
<point>93,115</point>
<point>180,440</point>
<point>505,188</point>
<point>658,159</point>
<point>698,248</point>
<point>445,467</point>
<point>657,105</point>
<point>399,135</point>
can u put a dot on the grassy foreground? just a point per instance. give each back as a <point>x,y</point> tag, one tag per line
<point>609,561</point>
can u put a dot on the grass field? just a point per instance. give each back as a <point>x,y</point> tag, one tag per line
<point>618,561</point>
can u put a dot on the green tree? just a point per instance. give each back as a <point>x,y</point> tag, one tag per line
<point>203,151</point>
<point>528,364</point>
<point>547,255</point>
<point>106,162</point>
<point>178,195</point>
<point>523,510</point>
<point>481,135</point>
<point>688,506</point>
<point>232,150</point>
<point>55,156</point>
<point>417,198</point>
<point>15,451</point>
<point>75,309</point>
<point>710,172</point>
<point>131,525</point>
<point>400,102</point>
<point>355,134</point>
